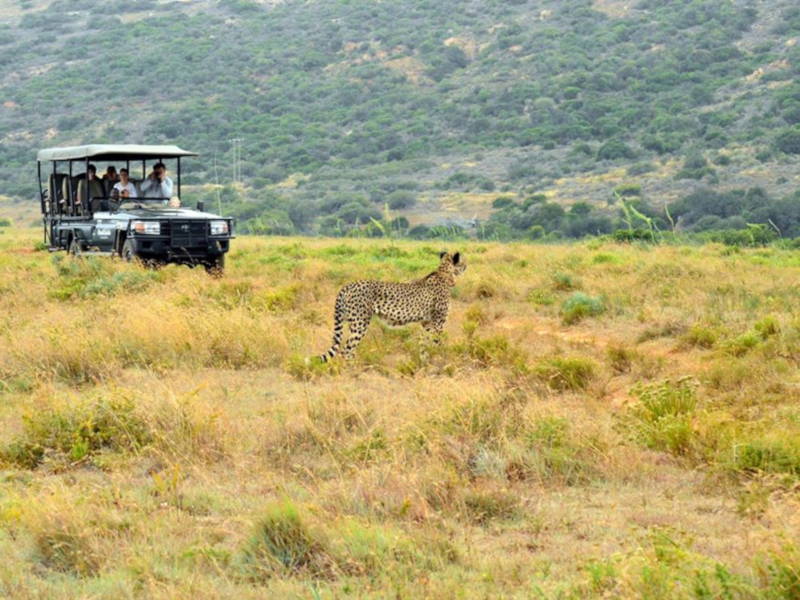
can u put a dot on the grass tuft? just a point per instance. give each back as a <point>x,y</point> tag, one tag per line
<point>283,544</point>
<point>579,306</point>
<point>662,419</point>
<point>569,373</point>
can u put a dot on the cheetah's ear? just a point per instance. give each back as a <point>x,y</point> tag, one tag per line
<point>456,258</point>
<point>442,254</point>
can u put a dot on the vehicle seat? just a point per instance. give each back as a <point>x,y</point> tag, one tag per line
<point>66,192</point>
<point>56,190</point>
<point>80,196</point>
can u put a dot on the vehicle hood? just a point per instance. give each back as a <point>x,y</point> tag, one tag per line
<point>156,212</point>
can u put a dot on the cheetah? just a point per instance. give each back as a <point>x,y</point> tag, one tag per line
<point>425,301</point>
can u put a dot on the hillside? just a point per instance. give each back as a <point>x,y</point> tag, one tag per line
<point>600,421</point>
<point>431,109</point>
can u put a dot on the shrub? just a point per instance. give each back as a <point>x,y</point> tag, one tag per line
<point>662,419</point>
<point>789,140</point>
<point>283,544</point>
<point>701,336</point>
<point>741,345</point>
<point>615,149</point>
<point>620,358</point>
<point>541,297</point>
<point>564,282</point>
<point>773,453</point>
<point>634,235</point>
<point>767,327</point>
<point>502,202</point>
<point>65,543</point>
<point>493,350</point>
<point>579,306</point>
<point>779,572</point>
<point>562,374</point>
<point>628,189</point>
<point>400,199</point>
<point>641,168</point>
<point>554,454</point>
<point>77,432</point>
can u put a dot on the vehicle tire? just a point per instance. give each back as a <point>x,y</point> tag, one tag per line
<point>216,266</point>
<point>128,252</point>
<point>75,248</point>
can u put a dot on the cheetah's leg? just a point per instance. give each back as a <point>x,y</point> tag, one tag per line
<point>338,324</point>
<point>358,328</point>
<point>433,330</point>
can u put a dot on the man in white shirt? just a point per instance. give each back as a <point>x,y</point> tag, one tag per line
<point>124,188</point>
<point>157,184</point>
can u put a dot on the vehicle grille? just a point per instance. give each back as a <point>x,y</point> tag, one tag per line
<point>188,234</point>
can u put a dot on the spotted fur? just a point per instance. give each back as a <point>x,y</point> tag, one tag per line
<point>425,301</point>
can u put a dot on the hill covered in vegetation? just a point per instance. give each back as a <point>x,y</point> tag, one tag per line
<point>369,116</point>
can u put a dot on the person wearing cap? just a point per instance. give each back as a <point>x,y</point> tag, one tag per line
<point>97,191</point>
<point>110,178</point>
<point>157,184</point>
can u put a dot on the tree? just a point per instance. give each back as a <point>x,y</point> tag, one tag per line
<point>789,140</point>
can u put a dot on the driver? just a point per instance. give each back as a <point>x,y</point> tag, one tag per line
<point>124,188</point>
<point>157,184</point>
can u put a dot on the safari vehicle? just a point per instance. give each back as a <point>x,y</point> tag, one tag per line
<point>88,217</point>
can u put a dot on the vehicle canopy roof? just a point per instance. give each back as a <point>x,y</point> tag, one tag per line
<point>110,152</point>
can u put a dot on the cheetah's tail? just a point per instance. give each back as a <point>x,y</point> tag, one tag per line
<point>338,325</point>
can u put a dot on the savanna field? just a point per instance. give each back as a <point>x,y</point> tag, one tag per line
<point>601,420</point>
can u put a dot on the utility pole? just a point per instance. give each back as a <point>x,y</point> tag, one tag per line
<point>236,146</point>
<point>216,180</point>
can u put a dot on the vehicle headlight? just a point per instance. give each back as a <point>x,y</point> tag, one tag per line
<point>146,227</point>
<point>219,227</point>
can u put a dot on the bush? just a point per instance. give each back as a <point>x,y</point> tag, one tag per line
<point>628,189</point>
<point>662,419</point>
<point>701,336</point>
<point>615,149</point>
<point>633,235</point>
<point>620,358</point>
<point>502,202</point>
<point>78,432</point>
<point>566,373</point>
<point>283,544</point>
<point>772,453</point>
<point>564,281</point>
<point>579,306</point>
<point>641,168</point>
<point>401,199</point>
<point>789,140</point>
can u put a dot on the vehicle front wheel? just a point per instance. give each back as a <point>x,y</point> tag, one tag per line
<point>75,248</point>
<point>128,252</point>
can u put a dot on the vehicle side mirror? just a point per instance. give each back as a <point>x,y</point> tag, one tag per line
<point>201,206</point>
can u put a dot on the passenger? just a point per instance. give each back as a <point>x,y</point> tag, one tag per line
<point>97,192</point>
<point>124,188</point>
<point>96,189</point>
<point>157,184</point>
<point>111,177</point>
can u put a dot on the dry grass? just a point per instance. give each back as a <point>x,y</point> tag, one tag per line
<point>162,436</point>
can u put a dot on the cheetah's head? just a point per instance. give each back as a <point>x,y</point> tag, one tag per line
<point>452,263</point>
